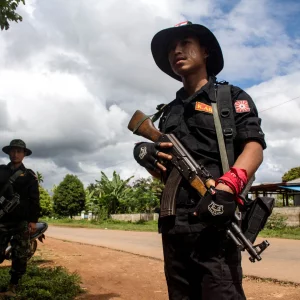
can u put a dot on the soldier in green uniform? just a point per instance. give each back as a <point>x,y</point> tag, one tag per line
<point>16,225</point>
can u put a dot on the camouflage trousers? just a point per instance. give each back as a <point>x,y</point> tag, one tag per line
<point>17,234</point>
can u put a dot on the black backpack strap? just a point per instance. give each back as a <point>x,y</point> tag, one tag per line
<point>11,180</point>
<point>225,108</point>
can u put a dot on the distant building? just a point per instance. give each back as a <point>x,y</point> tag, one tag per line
<point>288,190</point>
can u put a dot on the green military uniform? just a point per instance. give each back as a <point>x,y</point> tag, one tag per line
<point>14,225</point>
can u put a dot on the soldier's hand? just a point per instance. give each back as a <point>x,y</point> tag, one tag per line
<point>152,155</point>
<point>32,227</point>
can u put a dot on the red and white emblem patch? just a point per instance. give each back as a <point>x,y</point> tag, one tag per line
<point>241,106</point>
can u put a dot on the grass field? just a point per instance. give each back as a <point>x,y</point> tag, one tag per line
<point>108,224</point>
<point>286,233</point>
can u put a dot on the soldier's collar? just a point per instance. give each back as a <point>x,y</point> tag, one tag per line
<point>22,167</point>
<point>208,88</point>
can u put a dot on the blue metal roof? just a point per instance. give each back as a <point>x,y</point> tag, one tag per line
<point>294,188</point>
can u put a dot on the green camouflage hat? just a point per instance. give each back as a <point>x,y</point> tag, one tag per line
<point>17,143</point>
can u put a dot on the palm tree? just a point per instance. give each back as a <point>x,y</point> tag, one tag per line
<point>40,177</point>
<point>114,193</point>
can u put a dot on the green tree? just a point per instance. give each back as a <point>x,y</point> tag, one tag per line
<point>45,202</point>
<point>69,197</point>
<point>147,193</point>
<point>40,177</point>
<point>291,174</point>
<point>114,194</point>
<point>8,12</point>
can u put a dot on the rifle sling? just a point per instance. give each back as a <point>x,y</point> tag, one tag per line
<point>11,180</point>
<point>223,106</point>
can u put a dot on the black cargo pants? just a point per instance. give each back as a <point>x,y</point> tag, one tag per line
<point>202,266</point>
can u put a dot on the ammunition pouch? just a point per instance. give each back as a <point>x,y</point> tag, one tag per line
<point>255,215</point>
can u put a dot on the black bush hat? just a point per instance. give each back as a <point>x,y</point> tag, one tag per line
<point>162,40</point>
<point>17,143</point>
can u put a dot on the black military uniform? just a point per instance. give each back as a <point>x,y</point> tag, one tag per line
<point>15,224</point>
<point>204,250</point>
<point>200,261</point>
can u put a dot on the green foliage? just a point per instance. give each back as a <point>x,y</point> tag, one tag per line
<point>111,196</point>
<point>285,233</point>
<point>69,197</point>
<point>276,221</point>
<point>105,224</point>
<point>146,195</point>
<point>45,201</point>
<point>44,283</point>
<point>114,194</point>
<point>292,174</point>
<point>8,12</point>
<point>40,177</point>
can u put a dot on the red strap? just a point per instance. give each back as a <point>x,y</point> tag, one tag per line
<point>236,179</point>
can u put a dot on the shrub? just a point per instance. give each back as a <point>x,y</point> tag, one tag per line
<point>276,221</point>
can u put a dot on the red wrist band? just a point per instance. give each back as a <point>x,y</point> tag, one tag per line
<point>236,179</point>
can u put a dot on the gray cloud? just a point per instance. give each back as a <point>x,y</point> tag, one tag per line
<point>73,72</point>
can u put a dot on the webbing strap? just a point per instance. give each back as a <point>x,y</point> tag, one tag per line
<point>11,180</point>
<point>221,142</point>
<point>226,117</point>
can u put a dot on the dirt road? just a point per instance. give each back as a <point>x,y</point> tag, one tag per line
<point>280,261</point>
<point>113,275</point>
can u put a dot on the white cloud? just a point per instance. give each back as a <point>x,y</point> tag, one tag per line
<point>73,72</point>
<point>280,123</point>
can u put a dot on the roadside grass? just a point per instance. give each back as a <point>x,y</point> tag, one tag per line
<point>107,224</point>
<point>43,283</point>
<point>285,233</point>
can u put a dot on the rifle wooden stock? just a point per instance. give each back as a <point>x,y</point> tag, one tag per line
<point>140,124</point>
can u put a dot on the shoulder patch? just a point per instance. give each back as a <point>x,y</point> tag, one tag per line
<point>241,106</point>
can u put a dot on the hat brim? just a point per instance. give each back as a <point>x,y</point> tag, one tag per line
<point>6,150</point>
<point>162,40</point>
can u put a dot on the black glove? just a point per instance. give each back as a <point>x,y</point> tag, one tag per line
<point>218,209</point>
<point>146,155</point>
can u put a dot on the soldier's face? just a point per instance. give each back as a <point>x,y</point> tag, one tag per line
<point>186,56</point>
<point>16,155</point>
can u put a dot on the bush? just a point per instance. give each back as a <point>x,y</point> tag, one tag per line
<point>43,283</point>
<point>276,221</point>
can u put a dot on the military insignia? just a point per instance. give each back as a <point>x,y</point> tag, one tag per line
<point>183,23</point>
<point>241,106</point>
<point>203,107</point>
<point>215,209</point>
<point>143,152</point>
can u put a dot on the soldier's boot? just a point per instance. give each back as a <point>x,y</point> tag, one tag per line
<point>11,290</point>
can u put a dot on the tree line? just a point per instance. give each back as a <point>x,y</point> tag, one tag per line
<point>108,196</point>
<point>103,197</point>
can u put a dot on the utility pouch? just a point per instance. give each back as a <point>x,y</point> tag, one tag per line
<point>256,215</point>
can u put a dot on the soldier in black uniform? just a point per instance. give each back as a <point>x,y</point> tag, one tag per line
<point>20,222</point>
<point>200,261</point>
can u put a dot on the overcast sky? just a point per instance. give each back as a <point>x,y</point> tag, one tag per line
<point>74,71</point>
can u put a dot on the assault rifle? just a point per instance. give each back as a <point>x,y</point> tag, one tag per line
<point>6,206</point>
<point>197,176</point>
